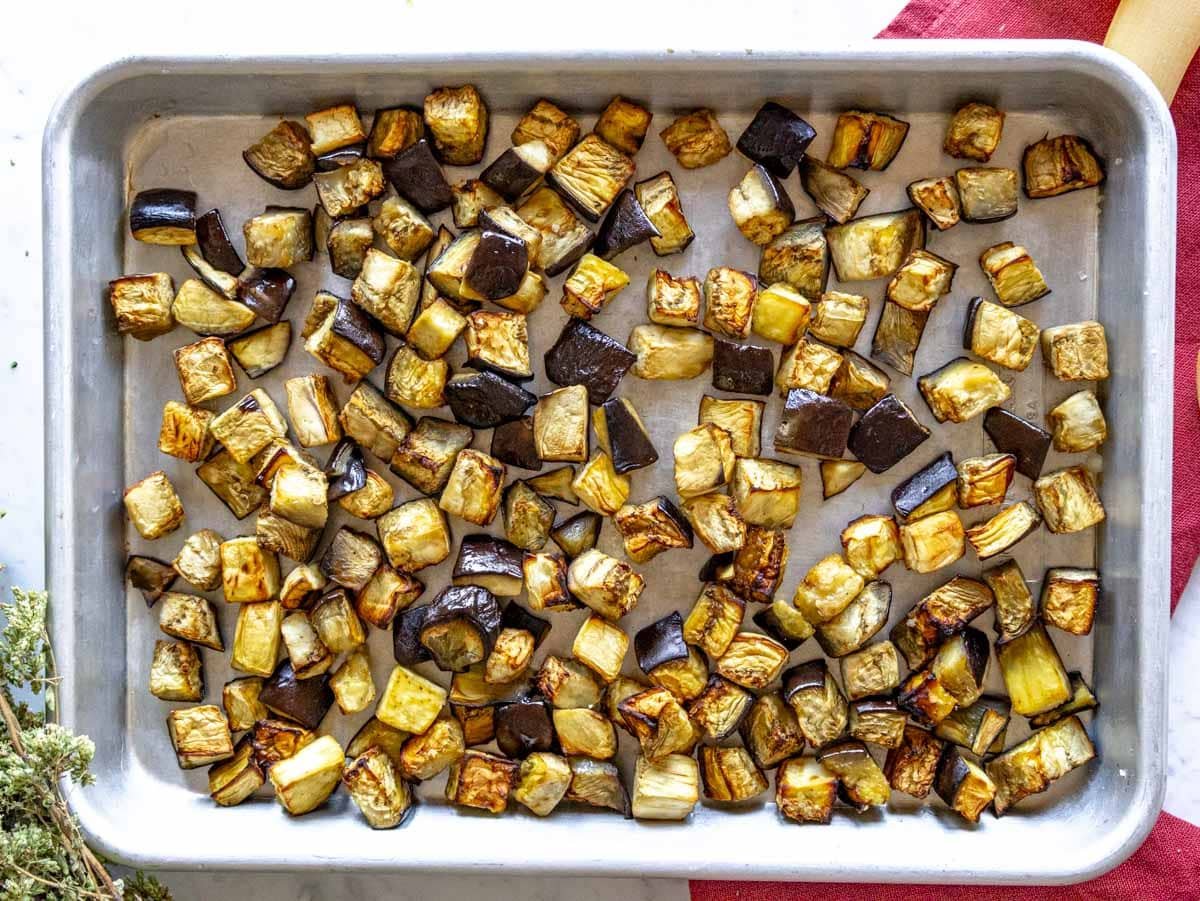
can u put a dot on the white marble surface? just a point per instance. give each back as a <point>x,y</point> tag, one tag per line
<point>45,48</point>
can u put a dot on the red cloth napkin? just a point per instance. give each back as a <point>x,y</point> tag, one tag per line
<point>1167,866</point>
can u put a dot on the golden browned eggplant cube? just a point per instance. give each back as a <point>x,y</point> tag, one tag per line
<point>1068,500</point>
<point>249,572</point>
<point>862,781</point>
<point>696,139</point>
<point>938,199</point>
<point>961,390</point>
<point>987,194</point>
<point>153,506</point>
<point>499,342</point>
<point>659,199</point>
<point>300,586</point>
<point>767,492</point>
<point>335,128</point>
<point>600,487</point>
<point>388,289</point>
<point>781,314</point>
<point>605,584</point>
<point>837,318</point>
<point>974,132</point>
<point>347,188</point>
<point>393,131</point>
<point>233,781</point>
<point>336,622</point>
<point>623,124</point>
<point>671,300</point>
<point>838,475</point>
<point>1078,423</point>
<point>568,683</point>
<point>352,685</point>
<point>299,495</point>
<point>387,593</point>
<point>457,118</point>
<point>826,589</point>
<point>912,766</point>
<point>714,619</point>
<point>528,517</point>
<point>313,410</point>
<point>191,618</point>
<point>759,564</point>
<point>591,175</point>
<point>668,353</point>
<point>434,750</point>
<point>279,238</point>
<point>760,207</point>
<point>729,297</point>
<point>185,432</point>
<point>874,246</point>
<point>205,370</point>
<point>587,733</point>
<point>256,640</point>
<point>858,384</point>
<point>564,237</point>
<point>601,646</point>
<point>373,422</point>
<point>249,425</point>
<point>282,536</point>
<point>740,417</point>
<point>510,657</point>
<point>1076,352</point>
<point>931,542</point>
<point>653,527</point>
<point>704,460</point>
<point>142,304</point>
<point>808,364</point>
<point>805,791</point>
<point>729,774</point>
<point>410,701</point>
<point>1013,274</point>
<point>377,788</point>
<point>752,660</point>
<point>921,279</point>
<point>1033,672</point>
<point>372,500</point>
<point>1002,531</point>
<point>720,708</point>
<point>308,655</point>
<point>560,425</point>
<point>471,198</point>
<point>547,123</point>
<point>866,140</point>
<point>716,521</point>
<point>304,781</point>
<point>175,672</point>
<point>871,544</point>
<point>414,535</point>
<point>200,736</point>
<point>999,335</point>
<point>239,697</point>
<point>275,740</point>
<point>546,583</point>
<point>427,454</point>
<point>1056,165</point>
<point>1029,768</point>
<point>667,789</point>
<point>482,781</point>
<point>475,487</point>
<point>591,286</point>
<point>1069,599</point>
<point>984,480</point>
<point>771,731</point>
<point>436,329</point>
<point>208,312</point>
<point>542,781</point>
<point>403,228</point>
<point>875,670</point>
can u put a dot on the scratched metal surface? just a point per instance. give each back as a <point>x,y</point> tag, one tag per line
<point>201,152</point>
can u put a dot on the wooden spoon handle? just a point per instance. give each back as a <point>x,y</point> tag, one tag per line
<point>1161,36</point>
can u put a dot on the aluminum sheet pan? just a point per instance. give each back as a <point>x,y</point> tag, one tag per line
<point>1105,254</point>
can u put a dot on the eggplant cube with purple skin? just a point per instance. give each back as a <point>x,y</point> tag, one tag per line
<point>866,140</point>
<point>770,730</point>
<point>653,527</point>
<point>1013,275</point>
<point>346,340</point>
<point>659,199</point>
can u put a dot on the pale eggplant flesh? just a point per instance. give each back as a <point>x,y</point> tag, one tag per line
<point>460,627</point>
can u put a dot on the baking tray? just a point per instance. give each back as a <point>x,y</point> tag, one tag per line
<point>1110,254</point>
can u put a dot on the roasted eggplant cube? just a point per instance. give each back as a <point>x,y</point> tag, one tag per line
<point>729,774</point>
<point>568,683</point>
<point>1014,603</point>
<point>601,646</point>
<point>392,131</point>
<point>153,506</point>
<point>781,314</point>
<point>838,475</point>
<point>541,782</point>
<point>714,619</point>
<point>388,289</point>
<point>858,622</point>
<point>666,790</point>
<point>496,266</point>
<point>911,766</point>
<point>838,318</point>
<point>304,781</point>
<point>490,563</point>
<point>184,432</point>
<point>961,390</point>
<point>666,353</point>
<point>821,708</point>
<point>591,175</point>
<point>777,138</point>
<point>261,350</point>
<point>798,257</point>
<point>546,583</point>
<point>660,642</point>
<point>175,672</point>
<point>233,483</point>
<point>415,382</point>
<point>835,194</point>
<point>871,544</point>
<point>767,492</point>
<point>1002,531</point>
<point>605,584</point>
<point>1029,768</point>
<point>206,312</point>
<point>256,640</point>
<point>1069,599</point>
<point>598,784</point>
<point>299,494</point>
<point>623,124</point>
<point>760,206</point>
<point>875,246</point>
<point>457,118</point>
<point>864,140</point>
<point>484,400</point>
<point>471,198</point>
<point>312,409</point>
<point>347,341</point>
<point>586,733</point>
<point>283,156</point>
<point>752,660</point>
<point>974,132</point>
<point>729,297</point>
<point>200,736</point>
<point>499,342</point>
<point>623,435</point>
<point>475,487</point>
<point>985,480</point>
<point>999,335</point>
<point>301,586</point>
<point>742,419</point>
<point>716,522</point>
<point>428,452</point>
<point>980,727</point>
<point>805,791</point>
<point>653,527</point>
<point>885,434</point>
<point>578,534</point>
<point>149,576</point>
<point>410,701</point>
<point>1056,165</point>
<point>386,594</point>
<point>759,564</point>
<point>512,443</point>
<point>249,426</point>
<point>599,487</point>
<point>809,365</point>
<point>879,722</point>
<point>414,535</point>
<point>372,500</point>
<point>528,518</point>
<point>1033,672</point>
<point>351,559</point>
<point>376,786</point>
<point>742,368</point>
<point>163,216</point>
<point>813,425</point>
<point>942,613</point>
<point>720,708</point>
<point>1068,500</point>
<point>564,237</point>
<point>591,286</point>
<point>858,383</point>
<point>625,226</point>
<point>279,238</point>
<point>417,177</point>
<point>546,122</point>
<point>932,542</point>
<point>704,460</point>
<point>861,781</point>
<point>585,356</point>
<point>672,301</point>
<point>433,751</point>
<point>1022,439</point>
<point>771,731</point>
<point>1082,699</point>
<point>560,425</point>
<point>960,666</point>
<point>403,228</point>
<point>436,329</point>
<point>1078,423</point>
<point>305,701</point>
<point>696,139</point>
<point>826,589</point>
<point>233,781</point>
<point>142,304</point>
<point>927,491</point>
<point>987,194</point>
<point>922,278</point>
<point>190,618</point>
<point>335,128</point>
<point>659,199</point>
<point>783,622</point>
<point>307,654</point>
<point>1076,352</point>
<point>348,188</point>
<point>938,199</point>
<point>897,336</point>
<point>1013,275</point>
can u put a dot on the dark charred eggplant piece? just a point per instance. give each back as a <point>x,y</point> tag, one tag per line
<point>578,534</point>
<point>149,576</point>
<point>497,266</point>
<point>930,489</point>
<point>484,400</point>
<point>980,727</point>
<point>558,484</point>
<point>1013,435</point>
<point>283,156</point>
<point>835,193</point>
<point>342,156</point>
<point>897,336</point>
<point>417,176</point>
<point>965,787</point>
<point>523,727</point>
<point>623,435</point>
<point>490,563</point>
<point>742,368</point>
<point>1082,698</point>
<point>776,138</point>
<point>1054,166</point>
<point>518,169</point>
<point>813,425</point>
<point>512,443</point>
<point>625,226</point>
<point>460,627</point>
<point>660,641</point>
<point>215,245</point>
<point>878,721</point>
<point>517,617</point>
<point>886,434</point>
<point>584,355</point>
<point>346,469</point>
<point>347,244</point>
<point>266,292</point>
<point>305,701</point>
<point>406,636</point>
<point>164,216</point>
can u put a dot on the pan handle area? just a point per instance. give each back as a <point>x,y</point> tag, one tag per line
<point>1161,36</point>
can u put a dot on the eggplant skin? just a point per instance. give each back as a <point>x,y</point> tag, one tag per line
<point>584,355</point>
<point>777,138</point>
<point>164,216</point>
